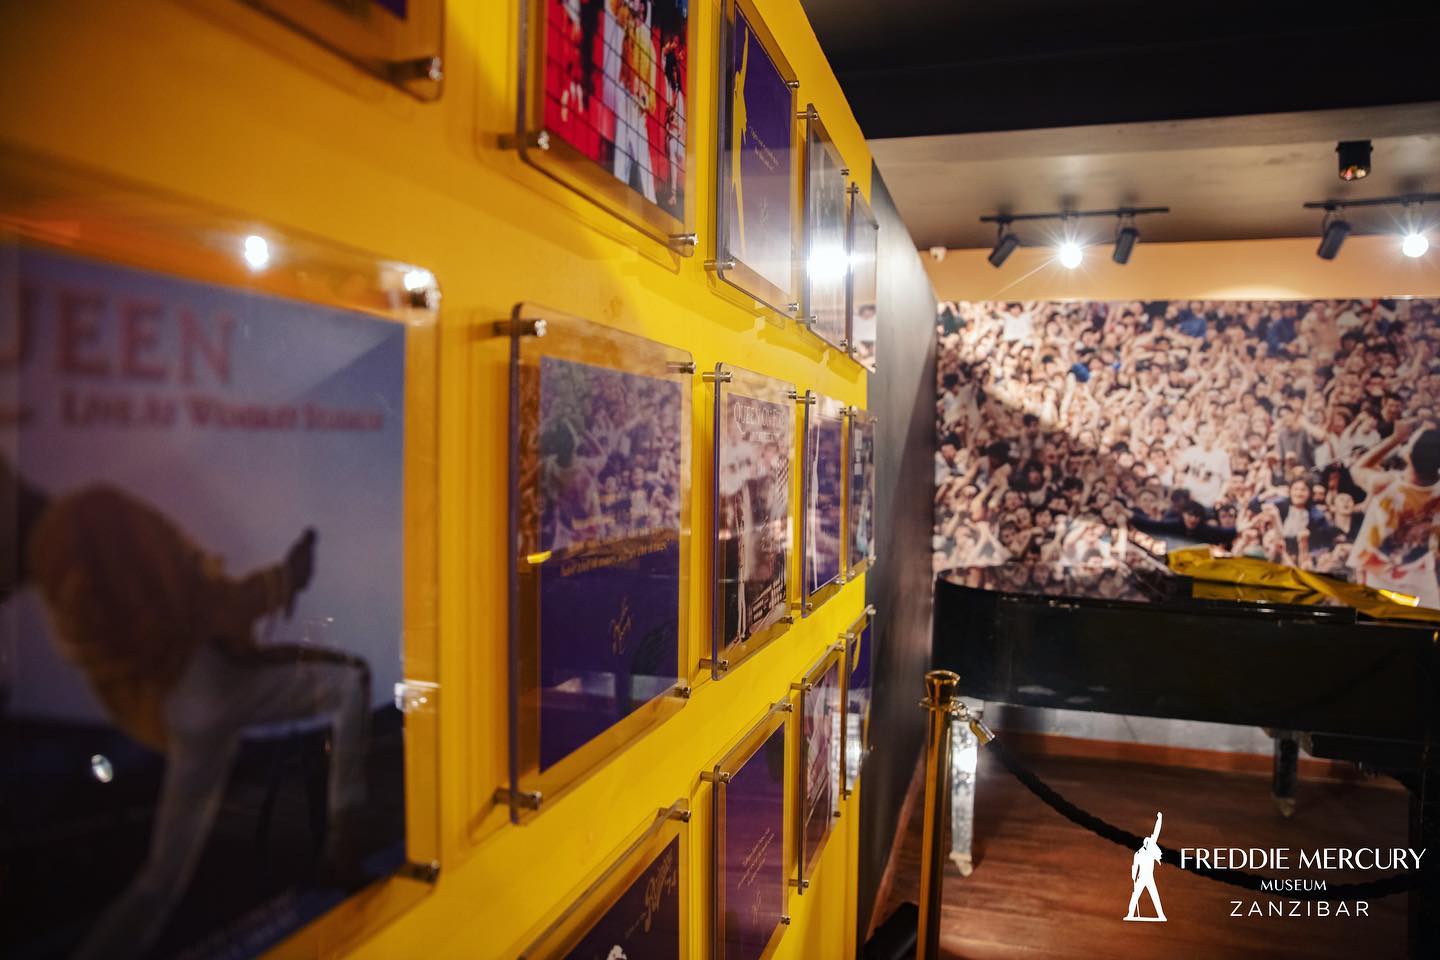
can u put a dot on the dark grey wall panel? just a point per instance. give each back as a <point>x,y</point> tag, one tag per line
<point>902,395</point>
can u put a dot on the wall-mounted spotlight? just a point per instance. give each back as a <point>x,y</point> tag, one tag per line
<point>1005,244</point>
<point>1354,159</point>
<point>1069,252</point>
<point>1334,228</point>
<point>1125,239</point>
<point>1332,235</point>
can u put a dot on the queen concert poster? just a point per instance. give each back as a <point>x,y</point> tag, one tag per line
<point>827,263</point>
<point>819,727</point>
<point>752,854</point>
<point>609,568</point>
<point>644,924</point>
<point>823,500</point>
<point>754,513</point>
<point>203,486</point>
<point>757,162</point>
<point>615,86</point>
<point>858,691</point>
<point>860,511</point>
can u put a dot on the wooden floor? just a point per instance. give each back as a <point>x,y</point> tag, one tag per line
<point>1044,888</point>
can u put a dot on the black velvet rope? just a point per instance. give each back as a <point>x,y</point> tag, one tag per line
<point>1384,887</point>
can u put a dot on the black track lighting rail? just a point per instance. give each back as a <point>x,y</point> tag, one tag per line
<point>1399,200</point>
<point>1004,218</point>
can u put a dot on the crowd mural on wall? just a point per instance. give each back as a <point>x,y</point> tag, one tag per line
<point>600,519</point>
<point>1078,435</point>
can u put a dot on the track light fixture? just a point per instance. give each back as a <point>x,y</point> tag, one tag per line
<point>1005,244</point>
<point>1125,239</point>
<point>1069,251</point>
<point>1333,232</point>
<point>1334,228</point>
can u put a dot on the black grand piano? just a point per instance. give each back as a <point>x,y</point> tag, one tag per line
<point>1147,642</point>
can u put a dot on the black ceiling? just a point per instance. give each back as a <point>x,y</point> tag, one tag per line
<point>912,67</point>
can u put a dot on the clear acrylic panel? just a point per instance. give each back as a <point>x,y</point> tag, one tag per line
<point>859,685</point>
<point>400,41</point>
<point>604,107</point>
<point>823,497</point>
<point>750,554</point>
<point>757,195</point>
<point>826,262</point>
<point>600,528</point>
<point>635,907</point>
<point>863,297</point>
<point>820,749</point>
<point>218,671</point>
<point>750,889</point>
<point>859,492</point>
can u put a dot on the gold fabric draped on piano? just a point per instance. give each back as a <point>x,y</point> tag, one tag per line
<point>1257,581</point>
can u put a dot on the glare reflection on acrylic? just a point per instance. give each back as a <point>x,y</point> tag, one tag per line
<point>205,484</point>
<point>748,841</point>
<point>756,183</point>
<point>826,274</point>
<point>821,747</point>
<point>600,494</point>
<point>754,444</point>
<point>823,495</point>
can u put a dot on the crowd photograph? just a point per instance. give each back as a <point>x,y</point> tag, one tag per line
<point>609,455</point>
<point>753,529</point>
<point>1084,436</point>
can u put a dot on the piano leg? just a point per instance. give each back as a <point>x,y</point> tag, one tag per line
<point>1424,906</point>
<point>1287,763</point>
<point>964,753</point>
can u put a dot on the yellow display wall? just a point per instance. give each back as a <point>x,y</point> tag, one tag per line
<point>213,101</point>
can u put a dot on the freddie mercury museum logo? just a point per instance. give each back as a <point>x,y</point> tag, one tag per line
<point>1142,874</point>
<point>1276,862</point>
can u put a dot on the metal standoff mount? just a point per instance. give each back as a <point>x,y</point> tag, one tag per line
<point>422,68</point>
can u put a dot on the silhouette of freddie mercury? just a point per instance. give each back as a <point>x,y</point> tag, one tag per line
<point>165,638</point>
<point>1142,872</point>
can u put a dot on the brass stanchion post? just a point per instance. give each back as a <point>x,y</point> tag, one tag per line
<point>941,704</point>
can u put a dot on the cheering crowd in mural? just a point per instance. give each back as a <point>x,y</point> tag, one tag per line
<point>609,447</point>
<point>1300,432</point>
<point>615,89</point>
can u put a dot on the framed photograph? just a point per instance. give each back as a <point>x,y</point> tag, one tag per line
<point>751,891</point>
<point>864,259</point>
<point>756,188</point>
<point>754,445</point>
<point>635,908</point>
<point>859,654</point>
<point>600,494</point>
<point>821,735</point>
<point>217,684</point>
<point>860,493</point>
<point>399,41</point>
<point>823,495</point>
<point>604,106</point>
<point>826,256</point>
